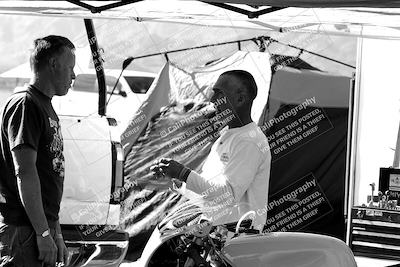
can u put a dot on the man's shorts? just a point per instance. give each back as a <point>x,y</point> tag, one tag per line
<point>18,247</point>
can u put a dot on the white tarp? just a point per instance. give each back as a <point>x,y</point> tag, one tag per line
<point>360,21</point>
<point>172,131</point>
<point>175,85</point>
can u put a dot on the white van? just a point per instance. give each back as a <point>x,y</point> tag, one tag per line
<point>93,188</point>
<point>93,185</point>
<point>128,95</point>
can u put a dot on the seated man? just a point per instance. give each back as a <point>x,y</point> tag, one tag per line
<point>235,175</point>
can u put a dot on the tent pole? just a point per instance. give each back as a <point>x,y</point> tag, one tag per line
<point>266,11</point>
<point>349,151</point>
<point>84,5</point>
<point>245,40</point>
<point>248,13</point>
<point>353,145</point>
<point>99,9</point>
<point>396,158</point>
<point>98,65</point>
<point>231,8</point>
<point>117,4</point>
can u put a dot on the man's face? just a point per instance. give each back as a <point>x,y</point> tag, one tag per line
<point>224,93</point>
<point>64,72</point>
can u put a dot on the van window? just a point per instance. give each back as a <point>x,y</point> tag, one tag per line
<point>88,83</point>
<point>139,85</point>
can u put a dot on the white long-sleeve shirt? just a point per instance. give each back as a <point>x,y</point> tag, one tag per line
<point>235,175</point>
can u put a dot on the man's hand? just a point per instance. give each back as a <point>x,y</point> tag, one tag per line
<point>166,167</point>
<point>47,250</point>
<point>62,251</point>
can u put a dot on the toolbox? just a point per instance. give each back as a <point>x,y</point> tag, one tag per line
<point>375,232</point>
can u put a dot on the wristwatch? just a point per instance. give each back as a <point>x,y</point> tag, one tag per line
<point>45,233</point>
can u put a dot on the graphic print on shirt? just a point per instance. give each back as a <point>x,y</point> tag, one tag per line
<point>56,148</point>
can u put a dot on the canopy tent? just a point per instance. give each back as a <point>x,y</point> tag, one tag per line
<point>162,132</point>
<point>357,18</point>
<point>340,18</point>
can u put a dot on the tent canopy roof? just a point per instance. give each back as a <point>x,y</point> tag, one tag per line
<point>294,3</point>
<point>340,17</point>
<point>315,3</point>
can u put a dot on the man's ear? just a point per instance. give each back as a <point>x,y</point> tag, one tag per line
<point>241,98</point>
<point>52,63</point>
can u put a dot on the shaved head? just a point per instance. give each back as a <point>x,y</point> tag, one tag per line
<point>246,80</point>
<point>235,90</point>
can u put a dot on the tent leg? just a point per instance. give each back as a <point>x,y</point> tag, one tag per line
<point>396,158</point>
<point>99,9</point>
<point>98,65</point>
<point>352,143</point>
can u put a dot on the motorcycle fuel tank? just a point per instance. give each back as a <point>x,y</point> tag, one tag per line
<point>288,249</point>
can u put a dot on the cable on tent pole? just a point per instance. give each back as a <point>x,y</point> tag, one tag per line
<point>256,40</point>
<point>268,43</point>
<point>192,48</point>
<point>166,57</point>
<point>239,46</point>
<point>262,46</point>
<point>300,53</point>
<point>319,55</point>
<point>264,43</point>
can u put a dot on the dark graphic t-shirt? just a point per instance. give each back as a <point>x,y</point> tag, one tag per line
<point>28,119</point>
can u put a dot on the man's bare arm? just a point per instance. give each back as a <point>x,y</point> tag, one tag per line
<point>62,251</point>
<point>198,184</point>
<point>29,187</point>
<point>28,182</point>
<point>58,229</point>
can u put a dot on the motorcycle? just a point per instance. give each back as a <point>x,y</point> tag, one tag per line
<point>185,238</point>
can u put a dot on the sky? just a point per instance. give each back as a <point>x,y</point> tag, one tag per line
<point>120,39</point>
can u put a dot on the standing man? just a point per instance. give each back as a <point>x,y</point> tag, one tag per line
<point>32,161</point>
<point>235,175</point>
